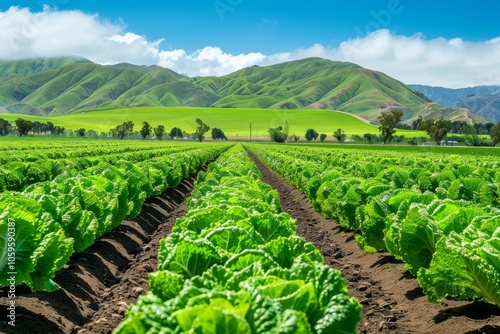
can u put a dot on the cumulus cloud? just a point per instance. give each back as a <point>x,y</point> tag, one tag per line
<point>440,62</point>
<point>411,59</point>
<point>208,61</point>
<point>52,33</point>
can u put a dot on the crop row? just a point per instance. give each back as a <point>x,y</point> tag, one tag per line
<point>65,153</point>
<point>43,225</point>
<point>443,223</point>
<point>97,149</point>
<point>234,264</point>
<point>20,145</point>
<point>18,175</point>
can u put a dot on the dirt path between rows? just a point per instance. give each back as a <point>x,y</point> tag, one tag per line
<point>392,300</point>
<point>97,285</point>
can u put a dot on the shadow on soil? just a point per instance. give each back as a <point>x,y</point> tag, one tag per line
<point>478,311</point>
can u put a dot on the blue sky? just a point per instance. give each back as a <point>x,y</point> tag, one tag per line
<point>202,37</point>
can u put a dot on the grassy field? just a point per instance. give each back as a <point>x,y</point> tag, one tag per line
<point>457,150</point>
<point>234,122</point>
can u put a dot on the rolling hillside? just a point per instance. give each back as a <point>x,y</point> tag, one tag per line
<point>481,100</point>
<point>67,85</point>
<point>487,106</point>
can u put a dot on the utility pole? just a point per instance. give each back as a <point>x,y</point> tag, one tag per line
<point>250,131</point>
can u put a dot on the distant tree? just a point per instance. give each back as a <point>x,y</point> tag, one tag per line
<point>436,129</point>
<point>49,127</point>
<point>201,129</point>
<point>340,135</point>
<point>311,134</point>
<point>457,126</point>
<point>369,137</point>
<point>120,131</point>
<point>145,130</point>
<point>80,132</point>
<point>277,134</point>
<point>471,137</point>
<point>388,121</point>
<point>92,134</point>
<point>130,126</point>
<point>286,128</point>
<point>322,137</point>
<point>413,141</point>
<point>37,127</point>
<point>70,133</point>
<point>415,125</point>
<point>176,133</point>
<point>294,137</point>
<point>5,127</point>
<point>23,126</point>
<point>124,129</point>
<point>218,134</point>
<point>495,134</point>
<point>487,128</point>
<point>159,131</point>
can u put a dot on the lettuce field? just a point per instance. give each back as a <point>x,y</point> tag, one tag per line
<point>175,237</point>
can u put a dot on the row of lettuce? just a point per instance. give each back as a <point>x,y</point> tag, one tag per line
<point>440,215</point>
<point>27,144</point>
<point>18,175</point>
<point>234,264</point>
<point>60,150</point>
<point>42,226</point>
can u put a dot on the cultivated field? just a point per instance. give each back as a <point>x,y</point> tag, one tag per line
<point>143,236</point>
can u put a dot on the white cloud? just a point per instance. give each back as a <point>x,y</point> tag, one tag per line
<point>61,33</point>
<point>440,62</point>
<point>411,59</point>
<point>208,61</point>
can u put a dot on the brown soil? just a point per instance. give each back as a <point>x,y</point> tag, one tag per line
<point>392,300</point>
<point>98,284</point>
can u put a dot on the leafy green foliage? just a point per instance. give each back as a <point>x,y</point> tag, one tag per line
<point>436,129</point>
<point>55,217</point>
<point>278,134</point>
<point>495,134</point>
<point>340,135</point>
<point>218,134</point>
<point>311,134</point>
<point>426,210</point>
<point>234,264</point>
<point>159,132</point>
<point>145,130</point>
<point>388,121</point>
<point>466,265</point>
<point>23,126</point>
<point>201,129</point>
<point>175,133</point>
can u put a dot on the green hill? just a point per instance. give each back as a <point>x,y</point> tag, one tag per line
<point>67,85</point>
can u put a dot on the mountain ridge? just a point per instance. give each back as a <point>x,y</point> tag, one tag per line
<point>482,100</point>
<point>52,86</point>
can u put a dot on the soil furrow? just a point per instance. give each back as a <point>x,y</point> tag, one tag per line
<point>392,300</point>
<point>97,285</point>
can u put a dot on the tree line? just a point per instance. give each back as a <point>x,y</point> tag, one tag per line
<point>23,127</point>
<point>437,130</point>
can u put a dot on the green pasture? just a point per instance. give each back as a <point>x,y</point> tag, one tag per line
<point>409,149</point>
<point>235,122</point>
